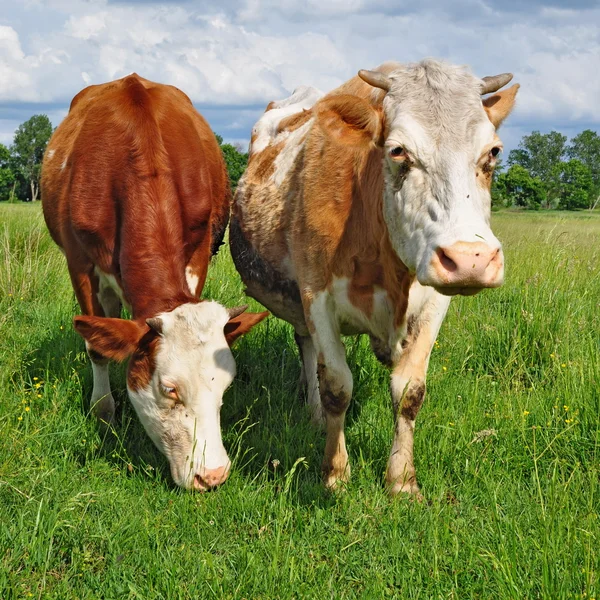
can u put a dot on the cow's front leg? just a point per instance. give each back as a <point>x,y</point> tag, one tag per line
<point>408,384</point>
<point>335,388</point>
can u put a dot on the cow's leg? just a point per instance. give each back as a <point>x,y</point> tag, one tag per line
<point>93,299</point>
<point>309,382</point>
<point>335,387</point>
<point>408,385</point>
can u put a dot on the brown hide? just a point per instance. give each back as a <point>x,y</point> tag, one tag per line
<point>339,228</point>
<point>134,184</point>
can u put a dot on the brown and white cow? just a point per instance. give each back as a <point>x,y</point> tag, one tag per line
<point>135,192</point>
<point>363,214</point>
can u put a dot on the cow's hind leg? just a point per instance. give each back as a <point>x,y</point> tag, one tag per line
<point>408,390</point>
<point>309,382</point>
<point>98,300</point>
<point>335,388</point>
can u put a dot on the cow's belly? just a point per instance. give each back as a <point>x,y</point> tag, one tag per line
<point>276,290</point>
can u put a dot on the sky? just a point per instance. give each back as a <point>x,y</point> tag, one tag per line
<point>233,57</point>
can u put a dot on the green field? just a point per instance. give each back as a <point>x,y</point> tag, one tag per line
<point>510,513</point>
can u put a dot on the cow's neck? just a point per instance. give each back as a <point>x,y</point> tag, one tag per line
<point>369,257</point>
<point>152,265</point>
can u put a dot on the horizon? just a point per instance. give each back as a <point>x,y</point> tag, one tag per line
<point>234,60</point>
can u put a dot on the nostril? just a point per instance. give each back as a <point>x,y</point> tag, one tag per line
<point>200,484</point>
<point>446,261</point>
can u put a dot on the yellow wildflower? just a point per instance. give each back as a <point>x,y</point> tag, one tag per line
<point>525,413</point>
<point>445,368</point>
<point>19,418</point>
<point>27,409</point>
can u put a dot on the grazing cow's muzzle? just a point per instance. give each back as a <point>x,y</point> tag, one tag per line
<point>466,268</point>
<point>211,478</point>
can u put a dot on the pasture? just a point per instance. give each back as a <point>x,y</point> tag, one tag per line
<point>507,449</point>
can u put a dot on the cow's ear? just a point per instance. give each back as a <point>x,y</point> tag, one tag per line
<point>499,105</point>
<point>350,120</point>
<point>115,339</point>
<point>241,324</point>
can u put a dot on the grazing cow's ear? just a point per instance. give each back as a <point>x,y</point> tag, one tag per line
<point>349,120</point>
<point>241,324</point>
<point>116,339</point>
<point>498,105</point>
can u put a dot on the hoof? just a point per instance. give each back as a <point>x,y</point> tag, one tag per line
<point>335,480</point>
<point>409,487</point>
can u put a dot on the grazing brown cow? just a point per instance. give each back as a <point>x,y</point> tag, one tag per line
<point>364,213</point>
<point>135,191</point>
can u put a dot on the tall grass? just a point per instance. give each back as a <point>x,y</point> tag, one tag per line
<point>507,450</point>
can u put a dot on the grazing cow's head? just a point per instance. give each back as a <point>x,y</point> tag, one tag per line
<point>440,146</point>
<point>180,367</point>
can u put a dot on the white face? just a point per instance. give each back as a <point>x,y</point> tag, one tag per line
<point>180,407</point>
<point>440,148</point>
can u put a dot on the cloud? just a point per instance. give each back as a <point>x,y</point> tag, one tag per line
<point>232,58</point>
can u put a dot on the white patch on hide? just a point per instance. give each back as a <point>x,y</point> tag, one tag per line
<point>192,280</point>
<point>265,130</point>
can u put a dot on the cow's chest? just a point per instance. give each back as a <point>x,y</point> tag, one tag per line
<point>108,283</point>
<point>365,309</point>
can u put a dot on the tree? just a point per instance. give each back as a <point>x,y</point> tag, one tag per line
<point>585,147</point>
<point>498,190</point>
<point>574,184</point>
<point>235,160</point>
<point>7,176</point>
<point>539,154</point>
<point>31,139</point>
<point>520,187</point>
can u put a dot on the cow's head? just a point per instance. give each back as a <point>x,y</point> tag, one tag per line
<point>440,147</point>
<point>181,364</point>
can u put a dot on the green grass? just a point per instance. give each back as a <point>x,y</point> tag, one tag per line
<point>513,515</point>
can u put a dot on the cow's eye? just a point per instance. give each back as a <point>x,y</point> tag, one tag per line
<point>397,152</point>
<point>169,390</point>
<point>495,151</point>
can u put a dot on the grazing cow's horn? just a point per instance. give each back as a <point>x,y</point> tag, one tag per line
<point>494,83</point>
<point>236,311</point>
<point>155,324</point>
<point>376,79</point>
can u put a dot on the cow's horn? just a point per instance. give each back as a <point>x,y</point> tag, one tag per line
<point>236,311</point>
<point>494,83</point>
<point>156,324</point>
<point>376,79</point>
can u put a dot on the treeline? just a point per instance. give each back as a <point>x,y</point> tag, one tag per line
<point>546,172</point>
<point>21,162</point>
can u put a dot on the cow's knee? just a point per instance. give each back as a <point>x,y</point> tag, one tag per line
<point>335,387</point>
<point>408,398</point>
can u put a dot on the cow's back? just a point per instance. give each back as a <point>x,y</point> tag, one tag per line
<point>132,156</point>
